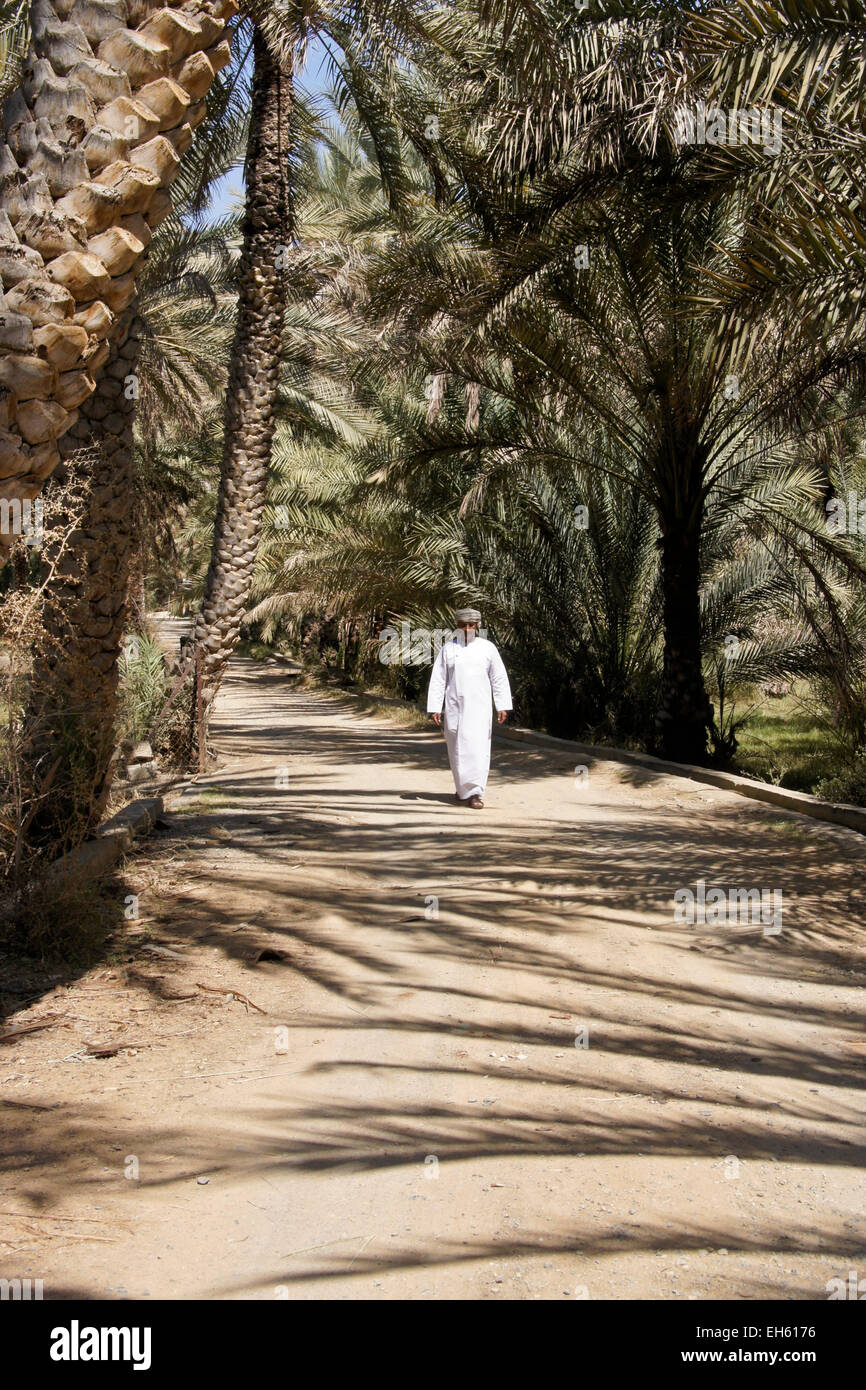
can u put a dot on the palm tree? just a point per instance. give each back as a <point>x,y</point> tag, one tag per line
<point>803,261</point>
<point>364,37</point>
<point>563,561</point>
<point>73,693</point>
<point>517,506</point>
<point>92,142</point>
<point>187,310</point>
<point>257,340</point>
<point>168,355</point>
<point>576,246</point>
<point>268,238</point>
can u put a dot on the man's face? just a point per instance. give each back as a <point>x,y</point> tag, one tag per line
<point>468,628</point>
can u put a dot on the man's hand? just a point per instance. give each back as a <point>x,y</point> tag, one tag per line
<point>501,716</point>
<point>437,718</point>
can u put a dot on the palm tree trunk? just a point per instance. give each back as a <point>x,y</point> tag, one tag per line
<point>684,712</point>
<point>110,98</point>
<point>74,702</point>
<point>435,396</point>
<point>253,384</point>
<point>473,407</point>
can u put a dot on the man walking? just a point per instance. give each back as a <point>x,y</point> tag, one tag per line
<point>467,669</point>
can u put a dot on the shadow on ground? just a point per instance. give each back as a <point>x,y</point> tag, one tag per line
<point>524,897</point>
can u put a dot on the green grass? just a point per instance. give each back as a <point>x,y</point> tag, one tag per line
<point>790,828</point>
<point>409,717</point>
<point>784,742</point>
<point>257,651</point>
<point>262,651</point>
<point>206,800</point>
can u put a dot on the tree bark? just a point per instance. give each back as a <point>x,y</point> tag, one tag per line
<point>473,406</point>
<point>254,374</point>
<point>684,713</point>
<point>75,683</point>
<point>110,94</point>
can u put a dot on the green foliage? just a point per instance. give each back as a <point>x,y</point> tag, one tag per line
<point>457,383</point>
<point>431,507</point>
<point>804,255</point>
<point>848,785</point>
<point>784,740</point>
<point>154,703</point>
<point>14,40</point>
<point>143,686</point>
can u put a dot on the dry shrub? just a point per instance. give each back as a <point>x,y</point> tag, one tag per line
<point>60,916</point>
<point>40,909</point>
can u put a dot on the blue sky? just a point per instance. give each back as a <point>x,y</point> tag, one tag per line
<point>314,79</point>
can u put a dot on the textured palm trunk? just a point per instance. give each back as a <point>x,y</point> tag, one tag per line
<point>684,713</point>
<point>473,407</point>
<point>435,396</point>
<point>75,686</point>
<point>111,94</point>
<point>253,384</point>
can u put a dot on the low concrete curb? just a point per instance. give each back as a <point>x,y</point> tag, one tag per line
<point>852,817</point>
<point>135,819</point>
<point>113,838</point>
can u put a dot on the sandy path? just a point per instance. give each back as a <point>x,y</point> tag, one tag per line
<point>424,1125</point>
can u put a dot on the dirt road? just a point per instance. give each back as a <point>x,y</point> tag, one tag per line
<point>491,1064</point>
